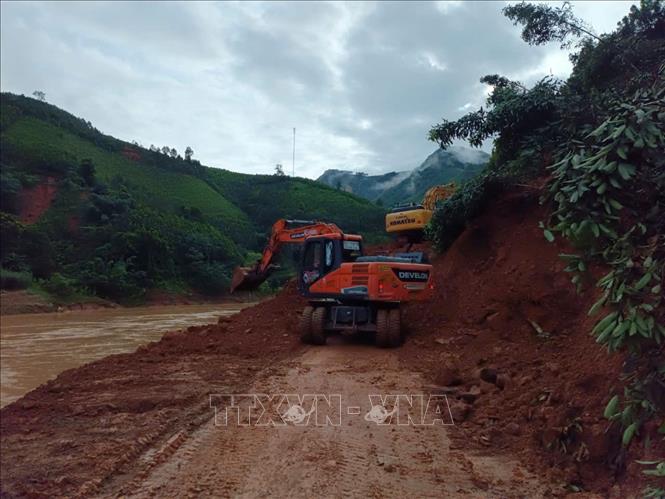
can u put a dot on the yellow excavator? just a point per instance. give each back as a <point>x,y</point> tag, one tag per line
<point>407,221</point>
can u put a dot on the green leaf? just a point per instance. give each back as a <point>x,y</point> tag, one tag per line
<point>568,257</point>
<point>656,289</point>
<point>598,130</point>
<point>618,131</point>
<point>615,204</point>
<point>596,306</point>
<point>633,329</point>
<point>548,235</point>
<point>606,333</point>
<point>630,134</point>
<point>643,281</point>
<point>605,321</point>
<point>629,433</point>
<point>626,170</point>
<point>621,151</point>
<point>620,329</point>
<point>611,408</point>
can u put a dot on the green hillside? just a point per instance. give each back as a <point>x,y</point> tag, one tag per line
<point>125,219</point>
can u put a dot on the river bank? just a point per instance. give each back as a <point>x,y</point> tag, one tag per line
<point>37,347</point>
<point>27,302</point>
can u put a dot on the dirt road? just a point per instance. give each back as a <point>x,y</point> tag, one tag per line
<point>350,456</point>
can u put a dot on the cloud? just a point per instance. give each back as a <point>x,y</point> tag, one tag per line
<point>361,82</point>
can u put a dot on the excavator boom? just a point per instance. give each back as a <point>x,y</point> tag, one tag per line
<point>283,232</point>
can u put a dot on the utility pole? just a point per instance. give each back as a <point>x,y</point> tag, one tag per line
<point>293,161</point>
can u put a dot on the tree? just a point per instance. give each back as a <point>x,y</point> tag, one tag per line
<point>39,95</point>
<point>279,170</point>
<point>87,172</point>
<point>166,150</point>
<point>189,152</point>
<point>174,153</point>
<point>542,23</point>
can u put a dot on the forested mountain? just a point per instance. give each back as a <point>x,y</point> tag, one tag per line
<point>83,212</point>
<point>440,167</point>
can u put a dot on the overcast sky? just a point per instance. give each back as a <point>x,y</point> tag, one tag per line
<point>361,82</point>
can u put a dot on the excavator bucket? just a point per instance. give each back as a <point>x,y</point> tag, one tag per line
<point>246,278</point>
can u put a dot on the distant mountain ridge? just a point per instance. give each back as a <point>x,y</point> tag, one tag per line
<point>440,167</point>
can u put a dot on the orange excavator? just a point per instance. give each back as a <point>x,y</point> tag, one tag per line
<point>283,232</point>
<point>348,292</point>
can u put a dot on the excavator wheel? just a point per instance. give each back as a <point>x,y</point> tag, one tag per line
<point>382,339</point>
<point>394,327</point>
<point>305,325</point>
<point>318,335</point>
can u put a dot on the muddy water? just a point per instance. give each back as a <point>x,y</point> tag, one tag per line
<point>36,347</point>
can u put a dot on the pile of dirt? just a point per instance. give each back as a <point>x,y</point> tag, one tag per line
<point>507,339</point>
<point>69,435</point>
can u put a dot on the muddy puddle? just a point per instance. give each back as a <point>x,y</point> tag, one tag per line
<point>37,347</point>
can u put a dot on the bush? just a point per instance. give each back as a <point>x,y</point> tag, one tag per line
<point>209,278</point>
<point>59,286</point>
<point>11,280</point>
<point>450,217</point>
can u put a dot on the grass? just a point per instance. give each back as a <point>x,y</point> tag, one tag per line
<point>268,197</point>
<point>156,187</point>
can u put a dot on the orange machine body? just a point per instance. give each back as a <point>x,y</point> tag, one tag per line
<point>381,281</point>
<point>347,275</point>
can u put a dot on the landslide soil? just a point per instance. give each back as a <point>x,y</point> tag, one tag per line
<point>70,435</point>
<point>35,200</point>
<point>506,339</point>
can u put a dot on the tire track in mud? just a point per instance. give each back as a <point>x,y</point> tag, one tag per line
<point>357,458</point>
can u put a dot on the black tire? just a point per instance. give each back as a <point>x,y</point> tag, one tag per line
<point>305,325</point>
<point>394,328</point>
<point>318,326</point>
<point>382,329</point>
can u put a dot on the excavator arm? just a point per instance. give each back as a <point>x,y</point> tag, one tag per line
<point>438,193</point>
<point>283,232</point>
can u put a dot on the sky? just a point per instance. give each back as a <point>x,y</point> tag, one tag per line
<point>361,82</point>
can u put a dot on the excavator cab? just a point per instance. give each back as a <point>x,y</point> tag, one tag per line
<point>284,232</point>
<point>323,254</point>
